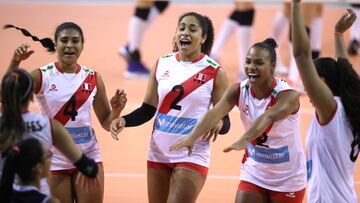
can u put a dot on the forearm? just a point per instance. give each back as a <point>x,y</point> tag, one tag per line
<point>339,46</point>
<point>205,124</point>
<point>14,64</point>
<point>258,128</point>
<point>105,124</point>
<point>140,116</point>
<point>301,44</point>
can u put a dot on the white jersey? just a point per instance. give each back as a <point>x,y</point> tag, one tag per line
<point>39,127</point>
<point>184,90</point>
<point>330,170</point>
<point>275,160</point>
<point>68,98</point>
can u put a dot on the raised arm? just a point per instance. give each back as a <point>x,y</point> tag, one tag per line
<point>319,93</point>
<point>343,24</point>
<point>287,102</point>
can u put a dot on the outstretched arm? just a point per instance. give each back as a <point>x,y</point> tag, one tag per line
<point>287,102</point>
<point>319,93</point>
<point>343,24</point>
<point>211,118</point>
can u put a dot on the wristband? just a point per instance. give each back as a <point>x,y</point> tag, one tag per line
<point>87,166</point>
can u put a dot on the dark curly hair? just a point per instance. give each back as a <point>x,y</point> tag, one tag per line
<point>270,45</point>
<point>344,82</point>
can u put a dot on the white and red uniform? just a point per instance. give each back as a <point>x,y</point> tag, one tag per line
<point>330,170</point>
<point>185,90</point>
<point>68,98</point>
<point>39,127</point>
<point>275,161</point>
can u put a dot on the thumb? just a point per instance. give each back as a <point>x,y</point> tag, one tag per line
<point>228,149</point>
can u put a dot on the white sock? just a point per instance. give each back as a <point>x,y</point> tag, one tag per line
<point>279,29</point>
<point>293,72</point>
<point>137,29</point>
<point>280,26</point>
<point>244,40</point>
<point>226,30</point>
<point>154,12</point>
<point>355,28</point>
<point>316,29</point>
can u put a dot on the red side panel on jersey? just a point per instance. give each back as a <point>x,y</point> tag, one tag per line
<point>81,95</point>
<point>189,85</point>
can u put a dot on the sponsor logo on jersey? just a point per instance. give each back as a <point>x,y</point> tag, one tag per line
<point>166,74</point>
<point>53,88</point>
<point>269,155</point>
<point>174,125</point>
<point>80,135</point>
<point>290,194</point>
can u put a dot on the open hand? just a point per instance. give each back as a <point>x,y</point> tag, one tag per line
<point>188,143</point>
<point>346,21</point>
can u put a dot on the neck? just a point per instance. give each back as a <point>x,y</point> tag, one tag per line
<point>263,90</point>
<point>189,57</point>
<point>68,68</point>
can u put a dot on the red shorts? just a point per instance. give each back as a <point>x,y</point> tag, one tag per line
<point>202,170</point>
<point>70,171</point>
<point>281,197</point>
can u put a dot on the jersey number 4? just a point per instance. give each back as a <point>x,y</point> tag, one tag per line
<point>70,108</point>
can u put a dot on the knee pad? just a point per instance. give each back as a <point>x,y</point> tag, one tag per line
<point>161,5</point>
<point>244,18</point>
<point>142,13</point>
<point>315,54</point>
<point>356,5</point>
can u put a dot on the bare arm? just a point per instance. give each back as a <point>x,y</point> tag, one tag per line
<point>101,105</point>
<point>319,93</point>
<point>343,24</point>
<point>151,95</point>
<point>287,102</point>
<point>211,118</point>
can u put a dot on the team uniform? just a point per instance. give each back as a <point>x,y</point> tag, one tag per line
<point>185,90</point>
<point>330,170</point>
<point>68,98</point>
<point>31,194</point>
<point>274,161</point>
<point>39,127</point>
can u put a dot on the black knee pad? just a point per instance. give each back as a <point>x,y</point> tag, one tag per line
<point>142,13</point>
<point>356,5</point>
<point>315,54</point>
<point>244,18</point>
<point>161,5</point>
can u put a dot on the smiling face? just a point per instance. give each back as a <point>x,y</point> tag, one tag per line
<point>258,66</point>
<point>69,46</point>
<point>189,37</point>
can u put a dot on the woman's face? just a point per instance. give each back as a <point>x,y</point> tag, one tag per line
<point>258,66</point>
<point>69,46</point>
<point>188,36</point>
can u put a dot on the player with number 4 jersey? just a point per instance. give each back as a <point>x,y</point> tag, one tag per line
<point>68,98</point>
<point>67,91</point>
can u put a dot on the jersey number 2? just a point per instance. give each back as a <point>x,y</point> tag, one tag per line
<point>174,104</point>
<point>70,109</point>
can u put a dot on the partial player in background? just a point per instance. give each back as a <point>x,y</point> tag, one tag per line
<point>146,11</point>
<point>240,21</point>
